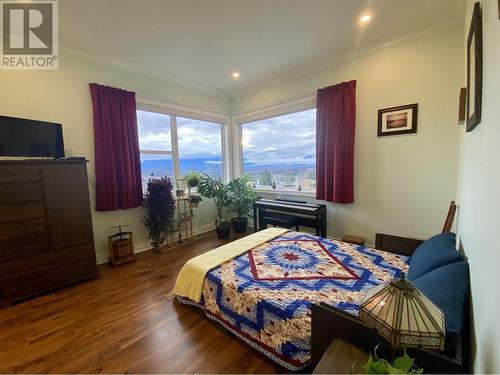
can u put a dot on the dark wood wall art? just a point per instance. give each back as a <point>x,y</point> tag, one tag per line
<point>398,120</point>
<point>462,103</point>
<point>475,69</point>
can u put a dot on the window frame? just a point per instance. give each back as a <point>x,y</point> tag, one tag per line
<point>175,111</point>
<point>266,113</point>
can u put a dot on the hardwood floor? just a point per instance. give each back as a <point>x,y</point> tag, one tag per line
<point>127,321</point>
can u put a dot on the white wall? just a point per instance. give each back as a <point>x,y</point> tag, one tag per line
<point>63,96</point>
<point>479,206</point>
<point>403,184</point>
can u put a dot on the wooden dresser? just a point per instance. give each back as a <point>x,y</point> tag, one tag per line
<point>46,237</point>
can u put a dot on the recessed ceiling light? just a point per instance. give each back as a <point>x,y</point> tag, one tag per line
<point>365,18</point>
<point>236,75</point>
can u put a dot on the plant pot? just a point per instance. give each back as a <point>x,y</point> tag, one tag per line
<point>223,232</point>
<point>239,224</point>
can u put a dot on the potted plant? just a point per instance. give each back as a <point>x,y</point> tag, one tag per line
<point>241,198</point>
<point>194,201</point>
<point>210,187</point>
<point>160,208</point>
<point>192,179</point>
<point>401,365</point>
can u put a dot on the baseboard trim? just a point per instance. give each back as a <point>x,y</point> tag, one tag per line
<point>139,247</point>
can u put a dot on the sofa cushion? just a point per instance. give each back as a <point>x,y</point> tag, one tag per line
<point>448,287</point>
<point>436,252</point>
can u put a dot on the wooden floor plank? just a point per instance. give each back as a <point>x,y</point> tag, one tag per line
<point>126,321</point>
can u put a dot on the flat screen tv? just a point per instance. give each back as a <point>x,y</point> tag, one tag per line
<point>30,138</point>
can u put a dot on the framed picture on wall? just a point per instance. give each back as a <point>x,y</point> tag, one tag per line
<point>462,101</point>
<point>398,120</point>
<point>475,69</point>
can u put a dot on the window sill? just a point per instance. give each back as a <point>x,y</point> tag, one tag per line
<point>311,194</point>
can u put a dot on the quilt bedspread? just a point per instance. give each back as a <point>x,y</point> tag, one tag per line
<point>264,295</point>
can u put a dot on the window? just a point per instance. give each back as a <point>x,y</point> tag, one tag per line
<point>173,146</point>
<point>200,147</point>
<point>155,144</point>
<point>280,151</point>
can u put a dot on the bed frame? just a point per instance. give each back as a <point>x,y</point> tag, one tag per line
<point>329,323</point>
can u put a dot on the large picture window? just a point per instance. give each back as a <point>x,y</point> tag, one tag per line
<point>200,147</point>
<point>280,152</point>
<point>173,146</point>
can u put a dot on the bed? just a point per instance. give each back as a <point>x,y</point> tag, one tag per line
<point>263,291</point>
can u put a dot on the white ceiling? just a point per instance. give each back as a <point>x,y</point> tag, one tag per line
<point>200,42</point>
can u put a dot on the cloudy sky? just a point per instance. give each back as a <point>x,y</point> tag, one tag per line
<point>288,139</point>
<point>197,139</point>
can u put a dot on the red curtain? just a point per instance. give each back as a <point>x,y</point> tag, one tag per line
<point>116,147</point>
<point>335,123</point>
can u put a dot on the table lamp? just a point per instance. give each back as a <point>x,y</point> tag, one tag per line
<point>404,315</point>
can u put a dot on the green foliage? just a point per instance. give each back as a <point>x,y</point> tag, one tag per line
<point>193,179</point>
<point>241,195</point>
<point>224,224</point>
<point>401,365</point>
<point>211,187</point>
<point>160,208</point>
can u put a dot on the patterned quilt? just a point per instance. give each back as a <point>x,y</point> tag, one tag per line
<point>264,295</point>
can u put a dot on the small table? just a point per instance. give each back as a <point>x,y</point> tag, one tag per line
<point>342,358</point>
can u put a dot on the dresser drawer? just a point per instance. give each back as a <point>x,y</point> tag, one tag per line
<point>23,239</point>
<point>21,211</point>
<point>41,282</point>
<point>20,192</point>
<point>45,262</point>
<point>10,173</point>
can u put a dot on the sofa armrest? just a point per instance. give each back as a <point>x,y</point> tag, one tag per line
<point>396,245</point>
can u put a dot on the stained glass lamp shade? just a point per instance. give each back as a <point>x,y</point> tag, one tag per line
<point>404,315</point>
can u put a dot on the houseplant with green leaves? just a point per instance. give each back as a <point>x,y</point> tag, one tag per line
<point>401,365</point>
<point>211,187</point>
<point>193,179</point>
<point>160,209</point>
<point>241,199</point>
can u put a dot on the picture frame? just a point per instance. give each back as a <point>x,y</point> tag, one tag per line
<point>474,69</point>
<point>462,102</point>
<point>398,120</point>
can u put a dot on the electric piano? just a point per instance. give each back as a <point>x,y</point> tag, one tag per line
<point>289,214</point>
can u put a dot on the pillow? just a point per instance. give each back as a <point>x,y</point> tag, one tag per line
<point>448,287</point>
<point>436,252</point>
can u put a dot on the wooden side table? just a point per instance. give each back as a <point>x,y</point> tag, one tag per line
<point>342,358</point>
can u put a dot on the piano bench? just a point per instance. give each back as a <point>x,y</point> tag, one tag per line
<point>279,220</point>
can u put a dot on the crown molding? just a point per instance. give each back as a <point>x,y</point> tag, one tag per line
<point>333,59</point>
<point>273,78</point>
<point>167,78</point>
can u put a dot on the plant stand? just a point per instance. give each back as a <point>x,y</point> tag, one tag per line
<point>182,231</point>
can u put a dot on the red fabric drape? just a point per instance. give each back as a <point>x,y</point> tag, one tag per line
<point>335,123</point>
<point>116,148</point>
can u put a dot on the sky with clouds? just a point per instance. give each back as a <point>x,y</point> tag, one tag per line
<point>197,139</point>
<point>288,139</point>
